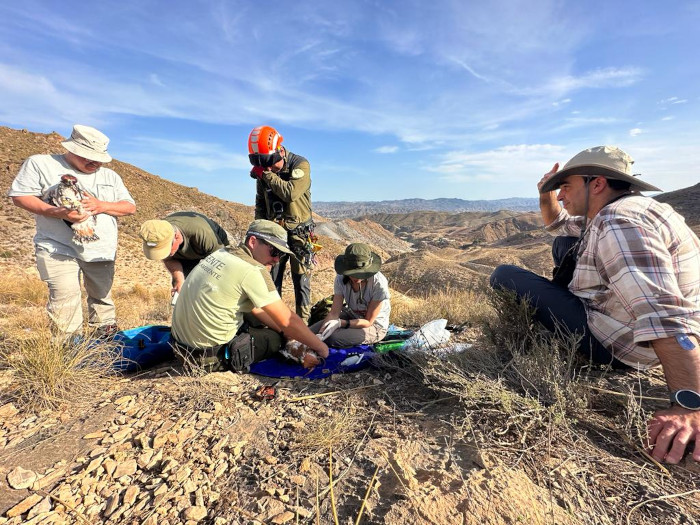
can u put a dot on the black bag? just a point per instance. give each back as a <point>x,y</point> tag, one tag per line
<point>240,352</point>
<point>212,359</point>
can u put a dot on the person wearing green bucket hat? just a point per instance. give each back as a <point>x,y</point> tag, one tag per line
<point>362,287</point>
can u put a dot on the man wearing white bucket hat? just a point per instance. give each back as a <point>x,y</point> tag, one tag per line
<point>61,259</point>
<point>629,283</point>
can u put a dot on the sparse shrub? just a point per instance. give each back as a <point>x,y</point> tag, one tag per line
<point>458,306</point>
<point>46,373</point>
<point>141,292</point>
<point>24,290</point>
<point>333,430</point>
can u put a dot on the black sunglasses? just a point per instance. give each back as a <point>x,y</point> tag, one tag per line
<point>265,160</point>
<point>274,250</point>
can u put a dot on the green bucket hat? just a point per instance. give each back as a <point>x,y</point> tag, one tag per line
<point>358,261</point>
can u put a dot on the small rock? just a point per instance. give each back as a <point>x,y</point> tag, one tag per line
<point>111,504</point>
<point>189,486</point>
<point>19,478</point>
<point>270,460</point>
<point>94,464</point>
<point>127,468</point>
<point>43,507</point>
<point>130,495</point>
<point>23,506</point>
<point>123,400</point>
<point>50,478</point>
<point>196,513</point>
<point>8,410</point>
<point>297,480</point>
<point>160,439</point>
<point>95,435</point>
<point>110,466</point>
<point>118,436</point>
<point>283,517</point>
<point>144,459</point>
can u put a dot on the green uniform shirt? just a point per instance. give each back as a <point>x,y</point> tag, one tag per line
<point>214,297</point>
<point>285,195</point>
<point>200,235</point>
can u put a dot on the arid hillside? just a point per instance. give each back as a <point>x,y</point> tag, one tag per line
<point>156,197</point>
<point>503,425</point>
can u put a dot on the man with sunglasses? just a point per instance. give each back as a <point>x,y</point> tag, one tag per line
<point>221,293</point>
<point>283,195</point>
<point>60,260</point>
<point>633,293</point>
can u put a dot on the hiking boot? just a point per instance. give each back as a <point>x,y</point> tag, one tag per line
<point>105,332</point>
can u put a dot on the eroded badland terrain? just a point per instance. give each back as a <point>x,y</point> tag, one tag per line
<point>501,429</point>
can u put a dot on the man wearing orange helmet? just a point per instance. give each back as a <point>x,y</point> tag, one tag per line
<point>284,196</point>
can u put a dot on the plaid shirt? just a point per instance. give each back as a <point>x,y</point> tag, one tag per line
<point>638,275</point>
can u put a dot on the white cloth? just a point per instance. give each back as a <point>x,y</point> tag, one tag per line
<point>39,174</point>
<point>376,288</point>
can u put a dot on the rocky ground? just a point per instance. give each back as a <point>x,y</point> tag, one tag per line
<point>191,449</point>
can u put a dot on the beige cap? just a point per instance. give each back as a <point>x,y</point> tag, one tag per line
<point>157,236</point>
<point>271,232</point>
<point>88,143</point>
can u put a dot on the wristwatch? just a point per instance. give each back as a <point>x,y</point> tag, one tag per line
<point>688,399</point>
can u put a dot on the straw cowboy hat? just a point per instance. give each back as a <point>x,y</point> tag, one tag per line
<point>602,161</point>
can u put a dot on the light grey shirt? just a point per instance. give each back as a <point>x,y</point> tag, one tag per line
<point>376,288</point>
<point>39,174</point>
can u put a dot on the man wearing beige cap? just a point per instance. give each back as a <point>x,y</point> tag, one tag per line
<point>629,284</point>
<point>181,240</point>
<point>60,260</point>
<point>208,320</point>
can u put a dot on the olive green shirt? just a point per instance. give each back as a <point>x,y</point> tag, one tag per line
<point>214,297</point>
<point>200,235</point>
<point>285,195</point>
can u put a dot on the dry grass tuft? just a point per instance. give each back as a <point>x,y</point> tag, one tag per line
<point>23,290</point>
<point>456,305</point>
<point>138,305</point>
<point>47,374</point>
<point>333,431</point>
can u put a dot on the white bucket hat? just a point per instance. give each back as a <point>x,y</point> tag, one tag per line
<point>88,143</point>
<point>602,161</point>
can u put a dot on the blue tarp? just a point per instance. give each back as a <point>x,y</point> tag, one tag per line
<point>143,347</point>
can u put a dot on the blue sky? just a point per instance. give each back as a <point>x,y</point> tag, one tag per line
<point>386,99</point>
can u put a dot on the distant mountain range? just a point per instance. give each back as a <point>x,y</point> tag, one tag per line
<point>345,209</point>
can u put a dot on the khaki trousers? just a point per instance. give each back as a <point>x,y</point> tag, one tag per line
<point>349,337</point>
<point>62,275</point>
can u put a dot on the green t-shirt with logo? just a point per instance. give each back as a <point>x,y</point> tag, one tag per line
<point>221,288</point>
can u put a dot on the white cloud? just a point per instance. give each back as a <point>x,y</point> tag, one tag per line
<point>636,131</point>
<point>507,163</point>
<point>387,149</point>
<point>673,100</point>
<point>201,156</point>
<point>610,77</point>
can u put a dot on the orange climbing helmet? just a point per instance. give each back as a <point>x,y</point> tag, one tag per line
<point>264,146</point>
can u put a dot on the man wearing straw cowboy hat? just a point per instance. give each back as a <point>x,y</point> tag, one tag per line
<point>60,260</point>
<point>633,289</point>
<point>365,290</point>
